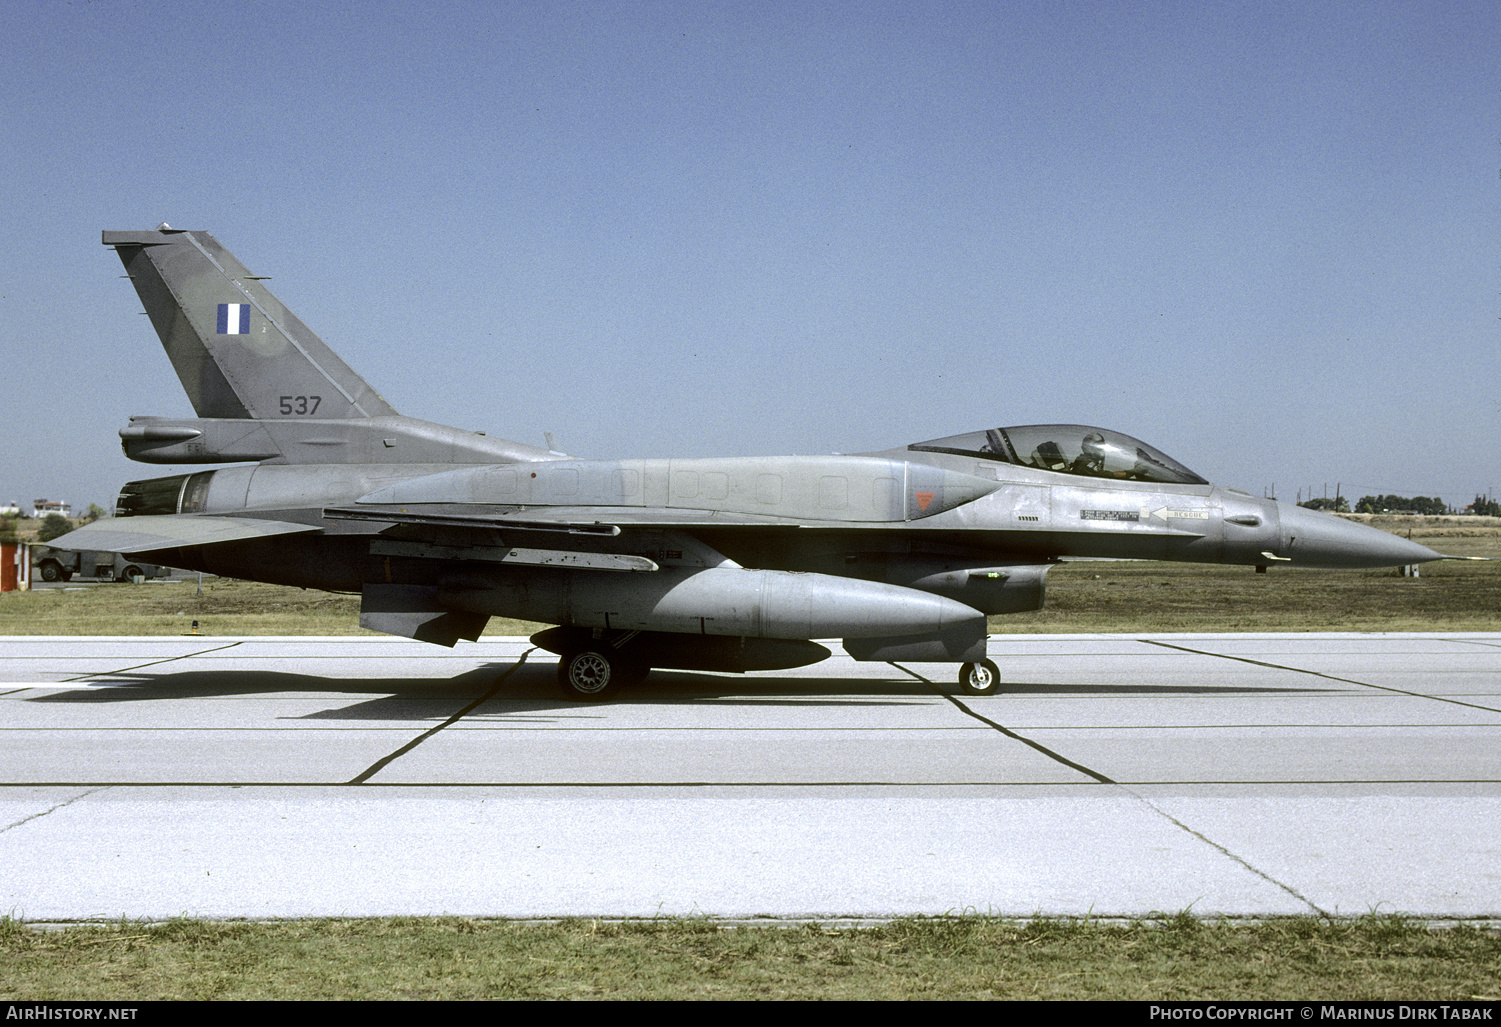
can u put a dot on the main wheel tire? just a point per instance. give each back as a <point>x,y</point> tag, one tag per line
<point>130,573</point>
<point>983,678</point>
<point>51,571</point>
<point>590,675</point>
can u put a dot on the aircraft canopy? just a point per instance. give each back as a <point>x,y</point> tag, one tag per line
<point>1068,449</point>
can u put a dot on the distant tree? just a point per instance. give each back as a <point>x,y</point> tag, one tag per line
<point>1483,507</point>
<point>1401,504</point>
<point>8,527</point>
<point>1339,504</point>
<point>53,525</point>
<point>95,512</point>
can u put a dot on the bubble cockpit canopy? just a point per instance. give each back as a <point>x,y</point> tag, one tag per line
<point>1068,449</point>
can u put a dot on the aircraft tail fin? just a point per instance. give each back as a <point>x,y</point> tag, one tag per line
<point>237,350</point>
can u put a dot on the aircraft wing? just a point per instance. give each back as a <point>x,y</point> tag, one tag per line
<point>148,533</point>
<point>577,520</point>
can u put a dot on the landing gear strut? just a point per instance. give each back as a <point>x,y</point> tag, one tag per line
<point>983,678</point>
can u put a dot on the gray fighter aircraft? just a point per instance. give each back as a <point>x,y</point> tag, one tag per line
<point>728,565</point>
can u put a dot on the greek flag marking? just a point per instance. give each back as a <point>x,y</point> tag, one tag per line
<point>234,319</point>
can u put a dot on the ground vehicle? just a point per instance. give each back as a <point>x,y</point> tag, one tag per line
<point>63,564</point>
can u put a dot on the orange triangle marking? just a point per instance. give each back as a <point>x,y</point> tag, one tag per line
<point>923,499</point>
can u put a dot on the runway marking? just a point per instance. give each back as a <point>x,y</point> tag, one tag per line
<point>1320,674</point>
<point>150,663</point>
<point>384,761</point>
<point>49,809</point>
<point>1102,779</point>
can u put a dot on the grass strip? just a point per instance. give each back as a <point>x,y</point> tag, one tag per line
<point>1178,957</point>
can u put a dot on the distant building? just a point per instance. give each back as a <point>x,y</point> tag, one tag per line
<point>43,507</point>
<point>12,509</point>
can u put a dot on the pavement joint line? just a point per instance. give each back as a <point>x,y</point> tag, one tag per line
<point>149,663</point>
<point>1102,779</point>
<point>1149,804</point>
<point>1049,753</point>
<point>58,806</point>
<point>1319,674</point>
<point>384,761</point>
<point>1472,641</point>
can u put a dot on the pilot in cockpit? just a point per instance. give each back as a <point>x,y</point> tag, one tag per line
<point>1068,449</point>
<point>1092,459</point>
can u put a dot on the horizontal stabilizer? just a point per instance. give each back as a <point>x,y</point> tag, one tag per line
<point>149,533</point>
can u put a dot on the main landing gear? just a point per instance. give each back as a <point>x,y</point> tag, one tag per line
<point>982,678</point>
<point>594,666</point>
<point>596,674</point>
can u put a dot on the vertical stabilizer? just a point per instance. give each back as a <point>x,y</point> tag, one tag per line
<point>237,350</point>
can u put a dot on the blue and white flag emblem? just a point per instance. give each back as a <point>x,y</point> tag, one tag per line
<point>234,319</point>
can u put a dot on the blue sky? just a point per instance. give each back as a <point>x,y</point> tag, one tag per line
<point>1262,236</point>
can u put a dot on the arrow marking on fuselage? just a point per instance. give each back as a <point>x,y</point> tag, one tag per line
<point>1166,514</point>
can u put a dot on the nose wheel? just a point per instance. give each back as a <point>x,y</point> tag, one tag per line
<point>982,678</point>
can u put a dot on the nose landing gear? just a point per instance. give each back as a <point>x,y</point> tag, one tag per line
<point>982,678</point>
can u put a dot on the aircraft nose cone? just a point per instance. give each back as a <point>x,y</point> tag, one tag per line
<point>1314,539</point>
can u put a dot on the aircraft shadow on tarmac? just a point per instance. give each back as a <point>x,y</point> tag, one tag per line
<point>530,687</point>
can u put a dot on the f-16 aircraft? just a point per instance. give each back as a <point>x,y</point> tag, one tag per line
<point>735,564</point>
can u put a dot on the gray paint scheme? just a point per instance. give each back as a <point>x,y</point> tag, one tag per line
<point>182,277</point>
<point>901,553</point>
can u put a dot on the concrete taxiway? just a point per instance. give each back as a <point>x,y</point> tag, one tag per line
<point>1117,775</point>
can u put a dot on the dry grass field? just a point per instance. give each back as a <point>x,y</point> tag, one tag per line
<point>1177,958</point>
<point>1146,596</point>
<point>1083,596</point>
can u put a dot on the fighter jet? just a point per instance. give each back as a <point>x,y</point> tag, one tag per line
<point>734,564</point>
